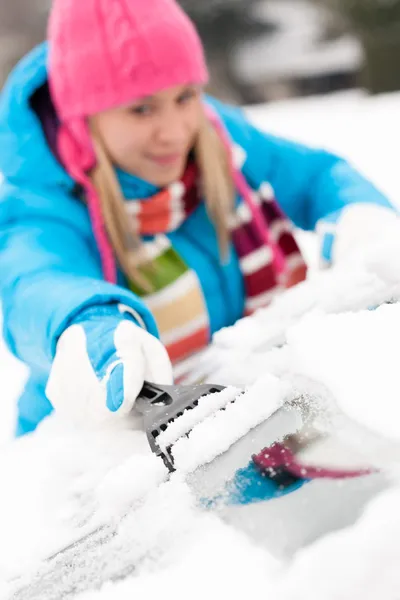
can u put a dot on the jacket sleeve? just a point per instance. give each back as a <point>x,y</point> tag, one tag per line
<point>49,272</point>
<point>312,186</point>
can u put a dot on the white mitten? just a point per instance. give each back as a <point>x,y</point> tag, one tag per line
<point>370,235</point>
<point>100,365</point>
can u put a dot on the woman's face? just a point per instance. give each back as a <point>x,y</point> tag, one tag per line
<point>152,137</point>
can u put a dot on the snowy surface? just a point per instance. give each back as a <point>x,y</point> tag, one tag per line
<point>13,375</point>
<point>363,129</point>
<point>372,343</point>
<point>59,483</point>
<point>228,426</point>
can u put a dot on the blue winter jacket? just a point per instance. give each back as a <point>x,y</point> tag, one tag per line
<point>49,263</point>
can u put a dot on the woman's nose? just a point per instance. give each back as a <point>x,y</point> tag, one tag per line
<point>173,128</point>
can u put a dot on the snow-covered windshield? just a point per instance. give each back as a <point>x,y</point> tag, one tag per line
<point>335,337</point>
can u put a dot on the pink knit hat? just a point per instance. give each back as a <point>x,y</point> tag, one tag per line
<point>107,53</point>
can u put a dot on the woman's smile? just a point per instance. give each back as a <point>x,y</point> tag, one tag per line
<point>166,160</point>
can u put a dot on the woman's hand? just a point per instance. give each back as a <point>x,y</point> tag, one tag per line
<point>100,365</point>
<point>369,234</point>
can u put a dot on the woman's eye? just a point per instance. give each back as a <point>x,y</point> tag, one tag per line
<point>142,109</point>
<point>186,96</point>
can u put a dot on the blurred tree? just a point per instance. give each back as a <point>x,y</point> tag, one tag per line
<point>22,25</point>
<point>377,24</point>
<point>223,24</point>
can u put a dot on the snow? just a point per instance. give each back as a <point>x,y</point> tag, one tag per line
<point>207,406</point>
<point>13,376</point>
<point>240,353</point>
<point>60,483</point>
<point>372,345</point>
<point>296,49</point>
<point>213,555</point>
<point>363,129</point>
<point>359,562</point>
<point>224,428</point>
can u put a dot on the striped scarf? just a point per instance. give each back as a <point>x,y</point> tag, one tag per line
<point>269,259</point>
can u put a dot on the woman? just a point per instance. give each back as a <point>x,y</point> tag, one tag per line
<point>135,207</point>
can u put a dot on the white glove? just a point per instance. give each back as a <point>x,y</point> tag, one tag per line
<point>369,235</point>
<point>100,365</point>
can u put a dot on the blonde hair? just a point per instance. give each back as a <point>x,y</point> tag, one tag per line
<point>217,187</point>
